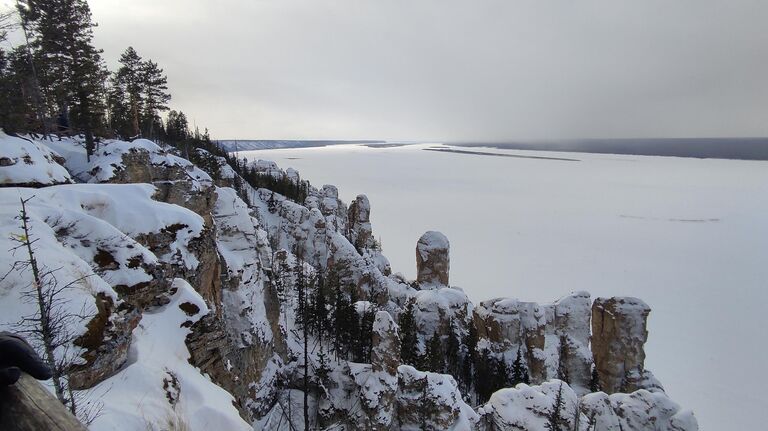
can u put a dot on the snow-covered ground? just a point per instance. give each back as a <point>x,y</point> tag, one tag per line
<point>688,236</point>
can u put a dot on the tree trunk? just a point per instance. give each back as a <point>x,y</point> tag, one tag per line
<point>28,406</point>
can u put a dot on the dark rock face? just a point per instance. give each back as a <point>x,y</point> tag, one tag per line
<point>618,336</point>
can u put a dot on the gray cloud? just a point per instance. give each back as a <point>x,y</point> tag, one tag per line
<point>455,70</point>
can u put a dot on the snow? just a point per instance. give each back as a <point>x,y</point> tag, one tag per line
<point>24,162</point>
<point>52,255</point>
<point>130,209</point>
<point>638,411</point>
<point>430,242</point>
<point>685,235</point>
<point>159,389</point>
<point>107,160</point>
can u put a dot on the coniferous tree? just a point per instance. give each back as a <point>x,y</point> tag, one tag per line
<point>555,419</point>
<point>470,357</point>
<point>125,95</point>
<point>519,369</point>
<point>434,357</point>
<point>342,323</point>
<point>453,354</point>
<point>364,341</point>
<point>484,376</point>
<point>594,381</point>
<point>18,93</point>
<point>562,366</point>
<point>71,69</point>
<point>408,339</point>
<point>156,97</point>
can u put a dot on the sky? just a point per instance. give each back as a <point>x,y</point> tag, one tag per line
<point>489,70</point>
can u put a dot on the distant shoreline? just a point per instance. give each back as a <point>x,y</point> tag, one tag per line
<point>700,148</point>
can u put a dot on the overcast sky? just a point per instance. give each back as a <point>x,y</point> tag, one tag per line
<point>454,70</point>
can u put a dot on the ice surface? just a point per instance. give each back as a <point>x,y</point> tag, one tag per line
<point>685,235</point>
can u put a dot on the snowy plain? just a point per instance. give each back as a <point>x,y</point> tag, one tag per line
<point>688,236</point>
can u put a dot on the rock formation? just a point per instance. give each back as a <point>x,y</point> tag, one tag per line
<point>618,336</point>
<point>378,393</point>
<point>360,231</point>
<point>432,260</point>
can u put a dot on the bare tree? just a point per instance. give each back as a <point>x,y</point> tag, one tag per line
<point>49,325</point>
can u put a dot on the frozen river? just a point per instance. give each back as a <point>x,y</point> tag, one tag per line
<point>688,236</point>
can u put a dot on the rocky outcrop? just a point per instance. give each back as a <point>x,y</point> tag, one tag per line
<point>360,231</point>
<point>639,411</point>
<point>571,327</point>
<point>550,405</point>
<point>333,209</point>
<point>245,336</point>
<point>378,392</point>
<point>28,406</point>
<point>106,343</point>
<point>618,336</point>
<point>554,338</point>
<point>430,401</point>
<point>432,260</point>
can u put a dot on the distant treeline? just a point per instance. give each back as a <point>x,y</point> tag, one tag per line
<point>704,148</point>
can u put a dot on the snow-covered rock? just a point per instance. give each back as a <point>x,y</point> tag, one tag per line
<point>432,260</point>
<point>554,338</point>
<point>378,392</point>
<point>638,411</point>
<point>551,405</point>
<point>431,401</point>
<point>159,388</point>
<point>25,163</point>
<point>237,348</point>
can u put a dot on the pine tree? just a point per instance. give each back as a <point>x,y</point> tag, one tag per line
<point>500,374</point>
<point>562,366</point>
<point>343,323</point>
<point>594,382</point>
<point>156,97</point>
<point>71,69</point>
<point>555,419</point>
<point>408,338</point>
<point>364,341</point>
<point>470,357</point>
<point>519,369</point>
<point>126,95</point>
<point>434,358</point>
<point>453,354</point>
<point>483,376</point>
